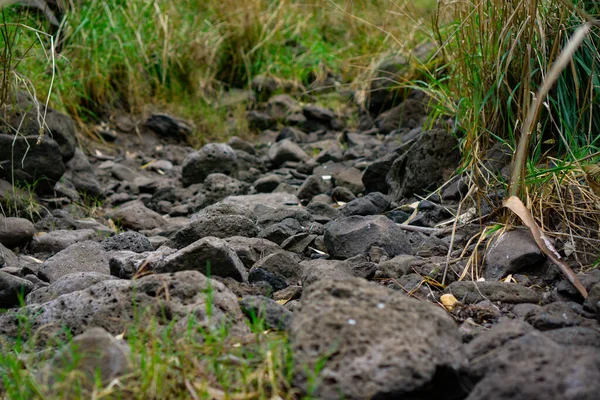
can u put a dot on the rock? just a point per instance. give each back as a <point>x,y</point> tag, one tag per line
<point>342,194</point>
<point>132,241</point>
<point>135,215</point>
<point>167,298</point>
<point>68,283</point>
<point>384,90</point>
<point>250,250</point>
<point>291,133</point>
<point>283,264</point>
<point>26,119</point>
<point>281,106</point>
<point>209,255</point>
<point>238,144</point>
<point>286,150</point>
<point>55,241</point>
<point>7,257</point>
<point>40,164</point>
<point>258,275</point>
<point>409,114</point>
<point>168,126</point>
<point>85,256</point>
<point>316,270</point>
<point>123,173</point>
<point>311,187</point>
<point>13,289</point>
<point>79,171</point>
<point>372,342</point>
<point>260,121</point>
<point>265,86</point>
<point>350,178</point>
<point>267,184</point>
<point>220,226</point>
<point>262,309</point>
<point>553,316</point>
<point>534,367</point>
<point>322,212</point>
<point>575,336</point>
<point>593,298</point>
<point>96,355</point>
<point>15,232</point>
<point>511,252</point>
<point>212,158</point>
<point>472,292</point>
<point>424,166</point>
<point>219,186</point>
<point>374,177</point>
<point>350,236</point>
<point>274,200</point>
<point>372,204</point>
<point>281,231</point>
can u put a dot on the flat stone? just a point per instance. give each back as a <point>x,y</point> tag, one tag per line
<point>472,292</point>
<point>79,257</point>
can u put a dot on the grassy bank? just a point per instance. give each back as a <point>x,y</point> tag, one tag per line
<point>180,56</point>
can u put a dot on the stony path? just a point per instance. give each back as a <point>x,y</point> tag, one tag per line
<point>310,213</point>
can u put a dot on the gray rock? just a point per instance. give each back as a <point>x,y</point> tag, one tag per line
<point>238,144</point>
<point>341,193</point>
<point>423,167</point>
<point>472,292</point>
<point>384,90</point>
<point>276,282</point>
<point>553,316</point>
<point>311,187</point>
<point>397,266</point>
<point>274,200</point>
<point>593,298</point>
<point>116,304</point>
<point>25,117</point>
<point>136,216</point>
<point>510,253</point>
<point>132,241</point>
<point>350,236</point>
<point>282,105</point>
<point>15,232</point>
<point>79,171</point>
<point>318,113</point>
<point>260,308</point>
<point>212,158</point>
<point>281,231</point>
<point>283,264</point>
<point>372,204</point>
<point>374,177</point>
<point>260,121</point>
<point>168,125</point>
<point>13,289</point>
<point>220,226</point>
<point>575,336</point>
<point>96,355</point>
<point>267,184</point>
<point>286,150</point>
<point>350,178</point>
<point>209,255</point>
<point>80,257</point>
<point>7,257</point>
<point>409,114</point>
<point>251,250</point>
<point>316,270</point>
<point>219,186</point>
<point>68,283</point>
<point>40,165</point>
<point>371,342</point>
<point>534,367</point>
<point>55,241</point>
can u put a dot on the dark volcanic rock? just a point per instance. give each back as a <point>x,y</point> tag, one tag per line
<point>372,342</point>
<point>220,226</point>
<point>80,257</point>
<point>472,292</point>
<point>13,289</point>
<point>15,232</point>
<point>260,308</point>
<point>372,204</point>
<point>350,236</point>
<point>132,241</point>
<point>38,164</point>
<point>68,283</point>
<point>510,253</point>
<point>80,172</point>
<point>212,158</point>
<point>423,167</point>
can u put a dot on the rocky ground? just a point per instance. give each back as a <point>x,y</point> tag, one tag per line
<point>333,233</point>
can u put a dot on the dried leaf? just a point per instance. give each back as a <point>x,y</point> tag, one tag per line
<point>516,205</point>
<point>448,301</point>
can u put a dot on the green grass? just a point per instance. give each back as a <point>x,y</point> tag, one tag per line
<point>165,363</point>
<point>180,56</point>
